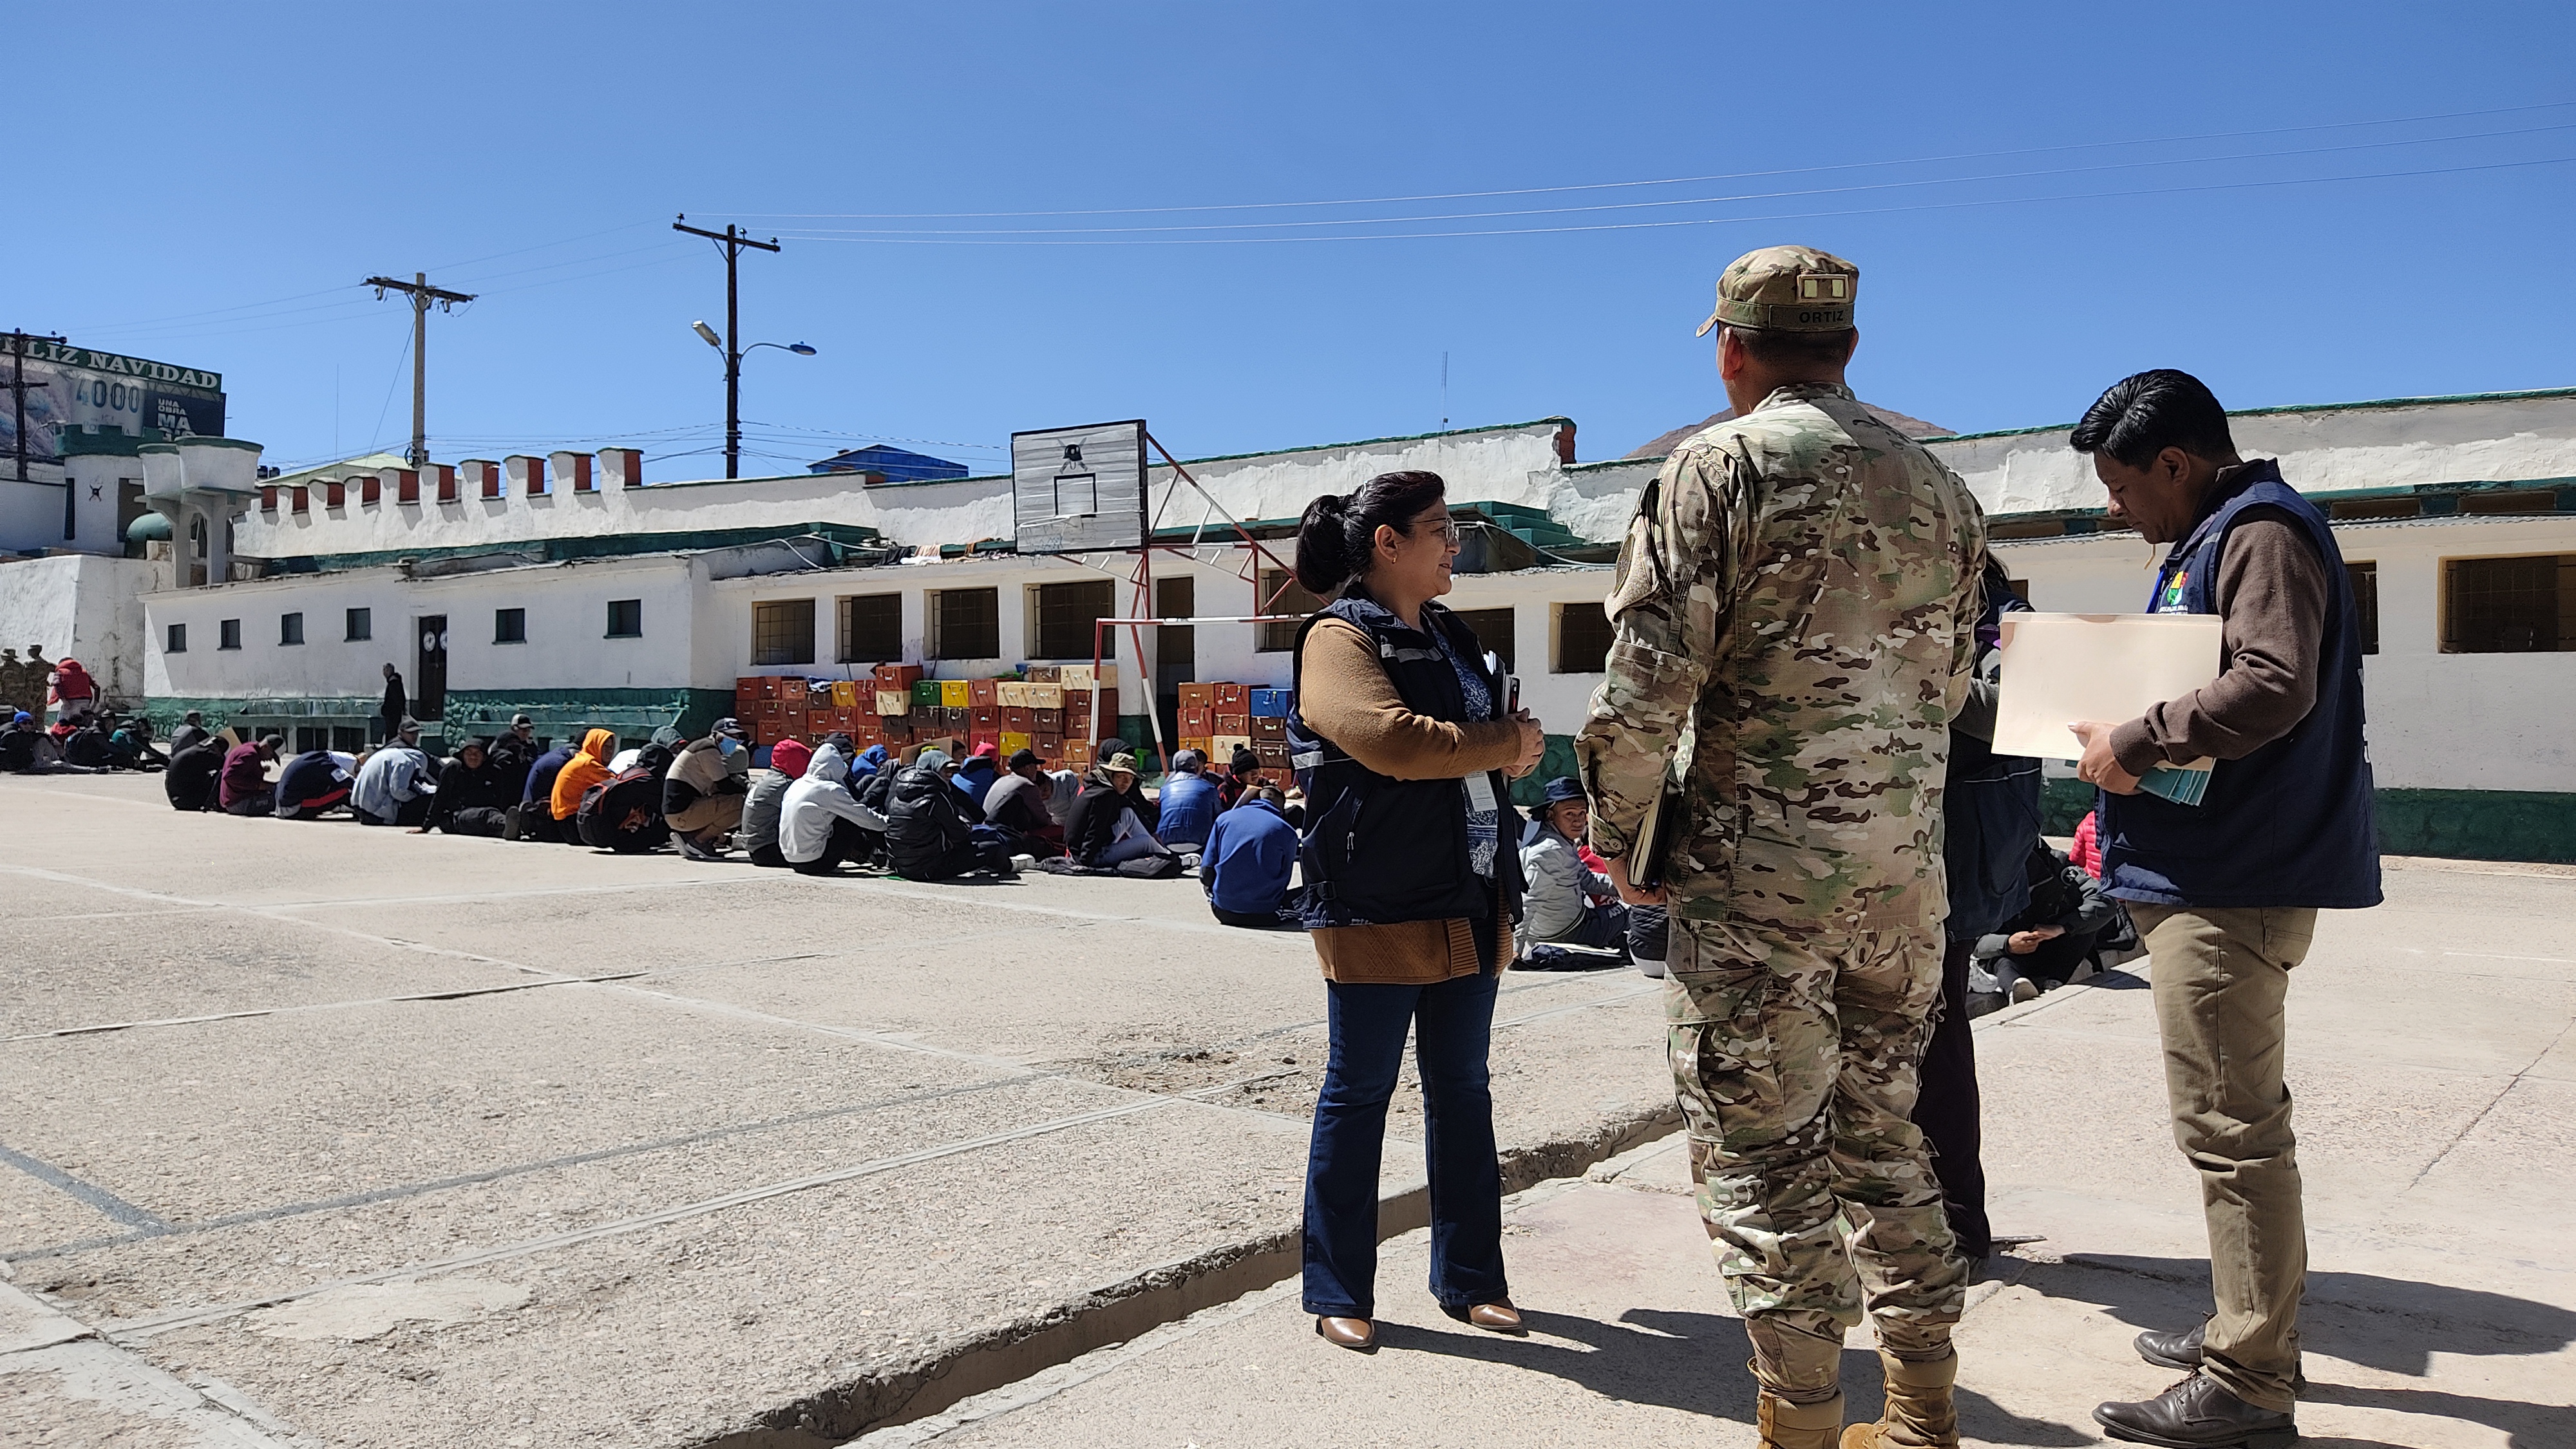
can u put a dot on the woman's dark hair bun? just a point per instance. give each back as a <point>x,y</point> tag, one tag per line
<point>1336,532</point>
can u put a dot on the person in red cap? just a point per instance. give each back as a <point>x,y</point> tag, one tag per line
<point>976,776</point>
<point>757,834</point>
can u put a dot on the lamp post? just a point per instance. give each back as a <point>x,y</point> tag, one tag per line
<point>733,388</point>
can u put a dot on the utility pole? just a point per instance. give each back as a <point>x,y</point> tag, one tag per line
<point>18,386</point>
<point>732,240</point>
<point>422,294</point>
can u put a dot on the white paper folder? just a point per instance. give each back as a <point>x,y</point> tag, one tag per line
<point>2060,668</point>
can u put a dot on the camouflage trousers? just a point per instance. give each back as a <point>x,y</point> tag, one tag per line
<point>1794,1055</point>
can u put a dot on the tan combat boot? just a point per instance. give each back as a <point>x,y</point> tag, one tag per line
<point>1798,1426</point>
<point>1919,1414</point>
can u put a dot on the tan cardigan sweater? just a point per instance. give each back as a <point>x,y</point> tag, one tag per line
<point>1345,696</point>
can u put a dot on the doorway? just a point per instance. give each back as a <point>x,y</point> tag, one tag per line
<point>429,677</point>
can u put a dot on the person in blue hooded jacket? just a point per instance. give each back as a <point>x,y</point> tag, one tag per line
<point>1251,854</point>
<point>1188,807</point>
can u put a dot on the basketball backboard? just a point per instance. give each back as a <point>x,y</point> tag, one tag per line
<point>1080,489</point>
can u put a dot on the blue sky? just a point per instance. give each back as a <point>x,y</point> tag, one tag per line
<point>2041,198</point>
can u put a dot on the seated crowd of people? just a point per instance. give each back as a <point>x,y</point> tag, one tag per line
<point>817,809</point>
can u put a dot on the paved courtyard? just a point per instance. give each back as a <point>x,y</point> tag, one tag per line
<point>314,1134</point>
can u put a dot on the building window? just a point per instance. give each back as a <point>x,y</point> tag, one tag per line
<point>782,632</point>
<point>1065,615</point>
<point>2365,601</point>
<point>1281,594</point>
<point>871,628</point>
<point>1582,638</point>
<point>509,626</point>
<point>228,634</point>
<point>1493,629</point>
<point>290,628</point>
<point>2509,605</point>
<point>626,618</point>
<point>177,640</point>
<point>362,624</point>
<point>966,624</point>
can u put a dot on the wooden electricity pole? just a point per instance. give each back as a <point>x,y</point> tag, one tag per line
<point>732,240</point>
<point>422,294</point>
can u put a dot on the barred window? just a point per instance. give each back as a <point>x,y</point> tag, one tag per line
<point>1291,598</point>
<point>1582,638</point>
<point>1065,615</point>
<point>2365,601</point>
<point>782,632</point>
<point>871,628</point>
<point>966,624</point>
<point>1493,629</point>
<point>2509,605</point>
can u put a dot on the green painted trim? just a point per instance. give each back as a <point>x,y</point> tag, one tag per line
<point>2457,824</point>
<point>556,711</point>
<point>2479,824</point>
<point>2341,407</point>
<point>571,548</point>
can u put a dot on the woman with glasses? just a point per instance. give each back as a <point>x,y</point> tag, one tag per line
<point>1405,740</point>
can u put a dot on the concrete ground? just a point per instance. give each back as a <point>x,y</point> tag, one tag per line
<point>315,1134</point>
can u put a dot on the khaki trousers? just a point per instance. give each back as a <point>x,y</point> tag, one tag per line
<point>2222,978</point>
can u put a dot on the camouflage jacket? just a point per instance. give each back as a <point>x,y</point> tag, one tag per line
<point>1795,614</point>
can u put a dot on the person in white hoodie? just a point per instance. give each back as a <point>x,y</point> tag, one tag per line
<point>821,824</point>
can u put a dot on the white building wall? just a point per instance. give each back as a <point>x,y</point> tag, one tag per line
<point>86,607</point>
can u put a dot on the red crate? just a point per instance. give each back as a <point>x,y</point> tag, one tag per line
<point>1197,721</point>
<point>896,676</point>
<point>1198,696</point>
<point>1233,699</point>
<point>1233,724</point>
<point>981,693</point>
<point>1049,721</point>
<point>1017,721</point>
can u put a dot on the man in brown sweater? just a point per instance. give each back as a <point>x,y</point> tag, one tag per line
<point>2226,891</point>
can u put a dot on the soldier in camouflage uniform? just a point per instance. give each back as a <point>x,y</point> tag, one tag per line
<point>1795,609</point>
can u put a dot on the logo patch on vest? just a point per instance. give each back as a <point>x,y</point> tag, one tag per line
<point>2173,591</point>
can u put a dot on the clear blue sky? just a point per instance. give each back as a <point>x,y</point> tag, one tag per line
<point>203,185</point>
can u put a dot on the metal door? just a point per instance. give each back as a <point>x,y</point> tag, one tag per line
<point>429,676</point>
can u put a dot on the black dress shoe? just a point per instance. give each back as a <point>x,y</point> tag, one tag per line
<point>2182,1351</point>
<point>2198,1414</point>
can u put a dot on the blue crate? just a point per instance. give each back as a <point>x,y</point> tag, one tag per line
<point>1270,704</point>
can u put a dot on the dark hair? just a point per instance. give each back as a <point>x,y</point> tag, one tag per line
<point>1788,348</point>
<point>2145,413</point>
<point>1339,530</point>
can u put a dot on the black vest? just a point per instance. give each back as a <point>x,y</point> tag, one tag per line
<point>1378,850</point>
<point>2292,824</point>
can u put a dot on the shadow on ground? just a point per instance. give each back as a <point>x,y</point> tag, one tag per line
<point>2390,1324</point>
<point>1689,1362</point>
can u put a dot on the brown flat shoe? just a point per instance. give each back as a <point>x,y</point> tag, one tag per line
<point>1492,1317</point>
<point>1356,1334</point>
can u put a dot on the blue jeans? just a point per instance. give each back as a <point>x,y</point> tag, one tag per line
<point>1453,1026</point>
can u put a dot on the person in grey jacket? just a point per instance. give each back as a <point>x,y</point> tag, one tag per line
<point>767,800</point>
<point>395,784</point>
<point>1567,902</point>
<point>2040,948</point>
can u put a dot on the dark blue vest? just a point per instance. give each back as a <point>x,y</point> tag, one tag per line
<point>1377,850</point>
<point>2293,823</point>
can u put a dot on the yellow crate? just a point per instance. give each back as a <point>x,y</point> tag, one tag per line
<point>954,694</point>
<point>1013,743</point>
<point>845,694</point>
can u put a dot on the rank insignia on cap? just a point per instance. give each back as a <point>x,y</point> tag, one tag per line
<point>1823,287</point>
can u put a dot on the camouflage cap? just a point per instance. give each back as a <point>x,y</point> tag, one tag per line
<point>1786,289</point>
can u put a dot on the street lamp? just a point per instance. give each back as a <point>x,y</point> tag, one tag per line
<point>733,387</point>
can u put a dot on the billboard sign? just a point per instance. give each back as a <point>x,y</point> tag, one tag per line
<point>1079,490</point>
<point>71,386</point>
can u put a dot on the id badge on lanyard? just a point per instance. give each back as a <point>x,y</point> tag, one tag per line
<point>1480,794</point>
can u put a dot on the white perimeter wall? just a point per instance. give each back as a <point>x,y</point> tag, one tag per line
<point>2437,721</point>
<point>85,607</point>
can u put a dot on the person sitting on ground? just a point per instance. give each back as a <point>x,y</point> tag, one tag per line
<point>190,781</point>
<point>244,788</point>
<point>191,733</point>
<point>2041,948</point>
<point>312,785</point>
<point>870,762</point>
<point>132,741</point>
<point>88,744</point>
<point>474,794</point>
<point>513,750</point>
<point>1187,810</point>
<point>534,819</point>
<point>588,766</point>
<point>624,812</point>
<point>1017,806</point>
<point>1112,821</point>
<point>1251,851</point>
<point>2088,844</point>
<point>702,797</point>
<point>757,831</point>
<point>1565,901</point>
<point>933,832</point>
<point>976,775</point>
<point>1242,775</point>
<point>1064,789</point>
<point>27,749</point>
<point>395,783</point>
<point>820,824</point>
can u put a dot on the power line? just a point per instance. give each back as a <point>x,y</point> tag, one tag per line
<point>422,294</point>
<point>1666,181</point>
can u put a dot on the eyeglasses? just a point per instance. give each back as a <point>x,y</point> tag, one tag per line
<point>1448,531</point>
